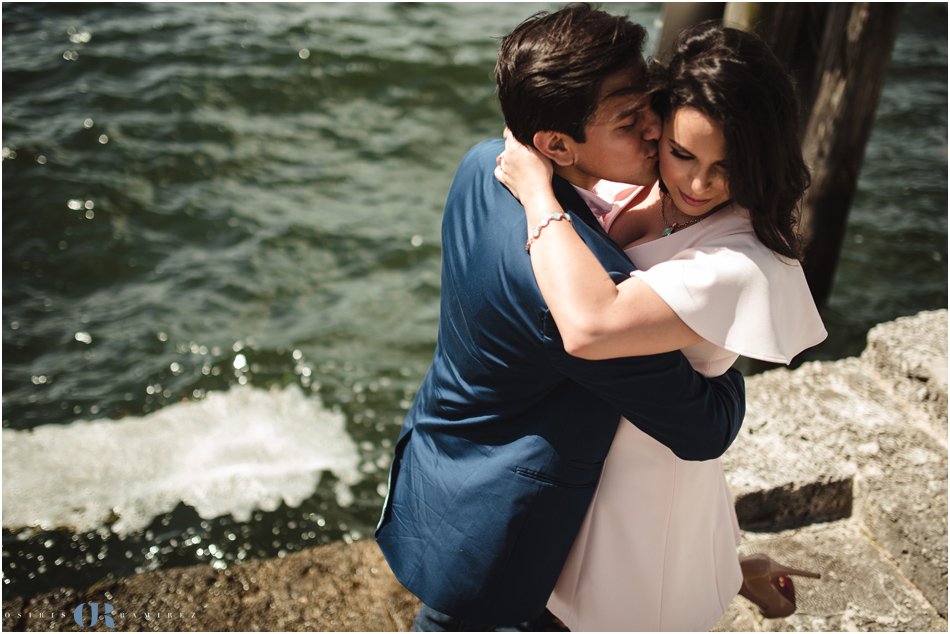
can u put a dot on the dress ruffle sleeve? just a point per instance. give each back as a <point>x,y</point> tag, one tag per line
<point>738,294</point>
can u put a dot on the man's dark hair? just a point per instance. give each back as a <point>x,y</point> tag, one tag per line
<point>551,67</point>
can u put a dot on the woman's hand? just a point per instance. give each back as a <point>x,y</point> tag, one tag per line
<point>524,171</point>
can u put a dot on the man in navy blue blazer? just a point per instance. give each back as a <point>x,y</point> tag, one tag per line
<point>502,449</point>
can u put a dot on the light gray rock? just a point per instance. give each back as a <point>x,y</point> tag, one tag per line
<point>860,589</point>
<point>880,420</point>
<point>780,471</point>
<point>867,419</point>
<point>909,356</point>
<point>906,513</point>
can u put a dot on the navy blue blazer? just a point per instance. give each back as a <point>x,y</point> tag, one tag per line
<point>503,446</point>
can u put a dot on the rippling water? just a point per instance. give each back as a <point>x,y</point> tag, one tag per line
<point>242,202</point>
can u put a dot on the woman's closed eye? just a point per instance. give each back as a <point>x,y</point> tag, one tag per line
<point>720,166</point>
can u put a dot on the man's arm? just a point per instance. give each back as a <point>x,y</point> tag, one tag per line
<point>696,417</point>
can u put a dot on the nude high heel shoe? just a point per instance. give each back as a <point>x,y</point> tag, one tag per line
<point>768,584</point>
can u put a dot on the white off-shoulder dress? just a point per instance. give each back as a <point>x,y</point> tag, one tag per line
<point>657,549</point>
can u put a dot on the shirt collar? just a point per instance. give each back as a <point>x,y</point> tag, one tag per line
<point>598,205</point>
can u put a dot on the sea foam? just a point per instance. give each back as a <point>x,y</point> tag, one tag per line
<point>230,453</point>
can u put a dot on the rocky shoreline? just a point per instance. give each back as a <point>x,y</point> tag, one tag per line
<point>840,467</point>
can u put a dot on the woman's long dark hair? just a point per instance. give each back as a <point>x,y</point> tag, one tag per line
<point>734,78</point>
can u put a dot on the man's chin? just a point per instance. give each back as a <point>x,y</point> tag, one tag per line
<point>646,177</point>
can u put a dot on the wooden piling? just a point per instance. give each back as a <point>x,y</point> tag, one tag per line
<point>849,75</point>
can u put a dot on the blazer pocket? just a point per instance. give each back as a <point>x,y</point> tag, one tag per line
<point>589,466</point>
<point>589,480</point>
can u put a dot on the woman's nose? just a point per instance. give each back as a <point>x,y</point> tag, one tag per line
<point>701,181</point>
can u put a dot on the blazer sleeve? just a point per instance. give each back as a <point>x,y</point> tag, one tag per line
<point>695,416</point>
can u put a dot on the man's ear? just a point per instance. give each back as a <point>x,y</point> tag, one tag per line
<point>556,146</point>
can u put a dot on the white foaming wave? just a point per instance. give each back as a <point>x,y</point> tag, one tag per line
<point>232,453</point>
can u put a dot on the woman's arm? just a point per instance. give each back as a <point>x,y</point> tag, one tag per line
<point>597,319</point>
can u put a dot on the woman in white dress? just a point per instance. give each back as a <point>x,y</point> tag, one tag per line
<point>719,277</point>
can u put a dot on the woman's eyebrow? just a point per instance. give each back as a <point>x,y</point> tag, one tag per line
<point>678,147</point>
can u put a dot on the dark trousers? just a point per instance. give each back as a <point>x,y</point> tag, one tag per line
<point>429,620</point>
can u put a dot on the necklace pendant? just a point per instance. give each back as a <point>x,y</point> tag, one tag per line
<point>668,231</point>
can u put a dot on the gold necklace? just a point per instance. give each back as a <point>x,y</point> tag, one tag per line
<point>676,226</point>
<point>671,228</point>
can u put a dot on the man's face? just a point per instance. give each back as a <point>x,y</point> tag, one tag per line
<point>621,139</point>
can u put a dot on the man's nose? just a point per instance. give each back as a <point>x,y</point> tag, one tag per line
<point>652,125</point>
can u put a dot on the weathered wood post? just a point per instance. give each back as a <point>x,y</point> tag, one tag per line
<point>795,32</point>
<point>855,51</point>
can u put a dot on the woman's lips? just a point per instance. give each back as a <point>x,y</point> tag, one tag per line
<point>695,202</point>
